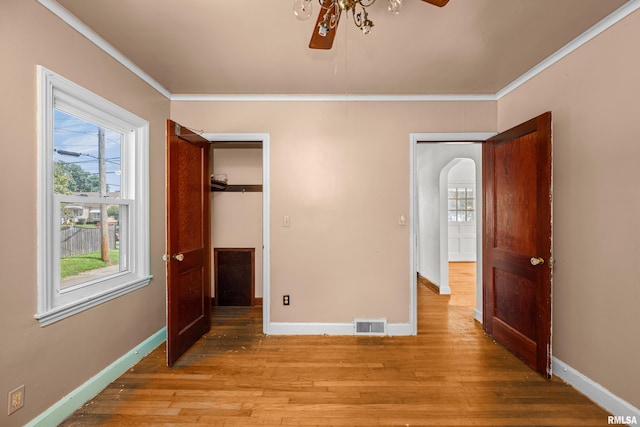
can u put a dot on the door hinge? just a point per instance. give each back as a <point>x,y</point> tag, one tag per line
<point>177,129</point>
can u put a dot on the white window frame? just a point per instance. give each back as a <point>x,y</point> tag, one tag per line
<point>54,303</point>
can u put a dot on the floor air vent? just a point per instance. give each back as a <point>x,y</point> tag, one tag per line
<point>370,326</point>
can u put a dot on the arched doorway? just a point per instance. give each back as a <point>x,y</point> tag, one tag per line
<point>459,236</point>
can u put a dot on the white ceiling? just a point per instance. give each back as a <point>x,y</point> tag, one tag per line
<point>238,47</point>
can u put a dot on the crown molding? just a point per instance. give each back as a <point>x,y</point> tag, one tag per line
<point>615,17</point>
<point>100,42</point>
<point>622,12</point>
<point>331,98</point>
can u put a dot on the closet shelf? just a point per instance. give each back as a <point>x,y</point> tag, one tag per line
<point>237,188</point>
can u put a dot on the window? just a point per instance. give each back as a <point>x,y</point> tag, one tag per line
<point>461,204</point>
<point>93,239</point>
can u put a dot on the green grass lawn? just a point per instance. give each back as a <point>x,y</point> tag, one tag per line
<point>72,265</point>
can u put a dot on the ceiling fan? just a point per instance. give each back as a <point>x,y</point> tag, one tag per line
<point>324,31</point>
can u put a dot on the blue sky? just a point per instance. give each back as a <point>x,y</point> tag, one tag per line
<point>80,136</point>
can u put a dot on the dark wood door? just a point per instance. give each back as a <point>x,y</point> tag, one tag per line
<point>517,266</point>
<point>234,272</point>
<point>188,245</point>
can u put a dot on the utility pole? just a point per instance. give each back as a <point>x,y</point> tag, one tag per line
<point>104,219</point>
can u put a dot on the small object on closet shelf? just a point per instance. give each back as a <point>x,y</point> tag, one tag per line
<point>222,177</point>
<point>219,181</point>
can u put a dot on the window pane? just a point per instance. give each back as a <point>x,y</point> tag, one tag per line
<point>81,245</point>
<point>87,161</point>
<point>452,193</point>
<point>461,193</point>
<point>452,216</point>
<point>452,205</point>
<point>471,193</point>
<point>76,157</point>
<point>461,205</point>
<point>462,216</point>
<point>470,205</point>
<point>471,216</point>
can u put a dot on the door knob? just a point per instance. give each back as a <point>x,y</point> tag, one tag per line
<point>180,257</point>
<point>536,261</point>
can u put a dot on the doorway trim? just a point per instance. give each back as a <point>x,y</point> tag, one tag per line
<point>414,138</point>
<point>264,138</point>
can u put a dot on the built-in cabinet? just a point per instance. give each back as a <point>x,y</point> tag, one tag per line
<point>234,276</point>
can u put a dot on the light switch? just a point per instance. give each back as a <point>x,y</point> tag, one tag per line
<point>403,220</point>
<point>286,221</point>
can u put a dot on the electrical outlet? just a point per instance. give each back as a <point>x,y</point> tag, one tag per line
<point>285,299</point>
<point>16,399</point>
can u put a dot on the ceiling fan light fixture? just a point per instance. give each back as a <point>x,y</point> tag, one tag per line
<point>323,29</point>
<point>324,32</point>
<point>366,27</point>
<point>302,9</point>
<point>395,6</point>
<point>346,4</point>
<point>361,16</point>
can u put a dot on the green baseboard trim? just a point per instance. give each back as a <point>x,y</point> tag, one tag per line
<point>78,397</point>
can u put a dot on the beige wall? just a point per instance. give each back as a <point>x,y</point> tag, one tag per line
<point>341,172</point>
<point>594,95</point>
<point>54,360</point>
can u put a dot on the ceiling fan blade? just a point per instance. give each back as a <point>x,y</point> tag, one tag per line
<point>319,41</point>
<point>438,3</point>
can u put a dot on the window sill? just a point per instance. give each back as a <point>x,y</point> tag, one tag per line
<point>58,313</point>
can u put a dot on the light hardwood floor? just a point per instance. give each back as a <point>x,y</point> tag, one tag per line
<point>462,281</point>
<point>450,374</point>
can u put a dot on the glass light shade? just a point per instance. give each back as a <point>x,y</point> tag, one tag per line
<point>395,6</point>
<point>302,9</point>
<point>366,28</point>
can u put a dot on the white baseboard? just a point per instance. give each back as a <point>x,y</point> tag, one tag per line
<point>399,329</point>
<point>78,397</point>
<point>293,328</point>
<point>593,390</point>
<point>445,290</point>
<point>477,314</point>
